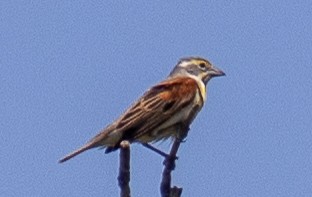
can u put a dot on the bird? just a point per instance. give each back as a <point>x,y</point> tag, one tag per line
<point>164,111</point>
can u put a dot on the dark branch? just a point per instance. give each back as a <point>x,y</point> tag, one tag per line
<point>169,163</point>
<point>124,169</point>
<point>165,155</point>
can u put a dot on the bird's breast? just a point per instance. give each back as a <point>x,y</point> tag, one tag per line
<point>185,116</point>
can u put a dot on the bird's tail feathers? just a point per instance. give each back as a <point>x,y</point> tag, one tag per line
<point>78,151</point>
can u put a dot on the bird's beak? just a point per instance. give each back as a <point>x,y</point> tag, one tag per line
<point>216,72</point>
<point>213,72</point>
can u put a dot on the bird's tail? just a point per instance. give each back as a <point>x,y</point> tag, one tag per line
<point>78,151</point>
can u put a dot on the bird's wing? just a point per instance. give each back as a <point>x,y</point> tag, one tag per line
<point>156,106</point>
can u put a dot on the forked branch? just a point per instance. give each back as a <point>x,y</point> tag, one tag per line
<point>169,163</point>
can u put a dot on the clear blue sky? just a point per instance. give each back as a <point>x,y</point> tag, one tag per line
<point>68,68</point>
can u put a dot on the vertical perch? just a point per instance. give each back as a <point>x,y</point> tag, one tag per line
<point>124,169</point>
<point>169,163</point>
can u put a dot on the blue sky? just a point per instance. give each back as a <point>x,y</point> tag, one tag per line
<point>67,69</point>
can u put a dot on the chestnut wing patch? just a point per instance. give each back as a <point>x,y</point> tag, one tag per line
<point>156,106</point>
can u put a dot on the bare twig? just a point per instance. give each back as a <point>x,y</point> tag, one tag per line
<point>169,163</point>
<point>175,191</point>
<point>165,155</point>
<point>124,169</point>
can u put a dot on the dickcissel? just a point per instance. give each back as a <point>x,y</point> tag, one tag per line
<point>165,110</point>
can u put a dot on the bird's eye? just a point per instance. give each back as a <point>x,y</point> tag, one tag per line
<point>202,65</point>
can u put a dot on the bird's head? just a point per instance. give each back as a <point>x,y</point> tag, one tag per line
<point>197,68</point>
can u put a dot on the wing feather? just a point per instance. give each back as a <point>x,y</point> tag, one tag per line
<point>156,106</point>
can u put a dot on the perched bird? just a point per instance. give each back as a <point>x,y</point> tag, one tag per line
<point>165,110</point>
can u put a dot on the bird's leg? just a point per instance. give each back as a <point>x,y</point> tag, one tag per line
<point>183,134</point>
<point>156,150</point>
